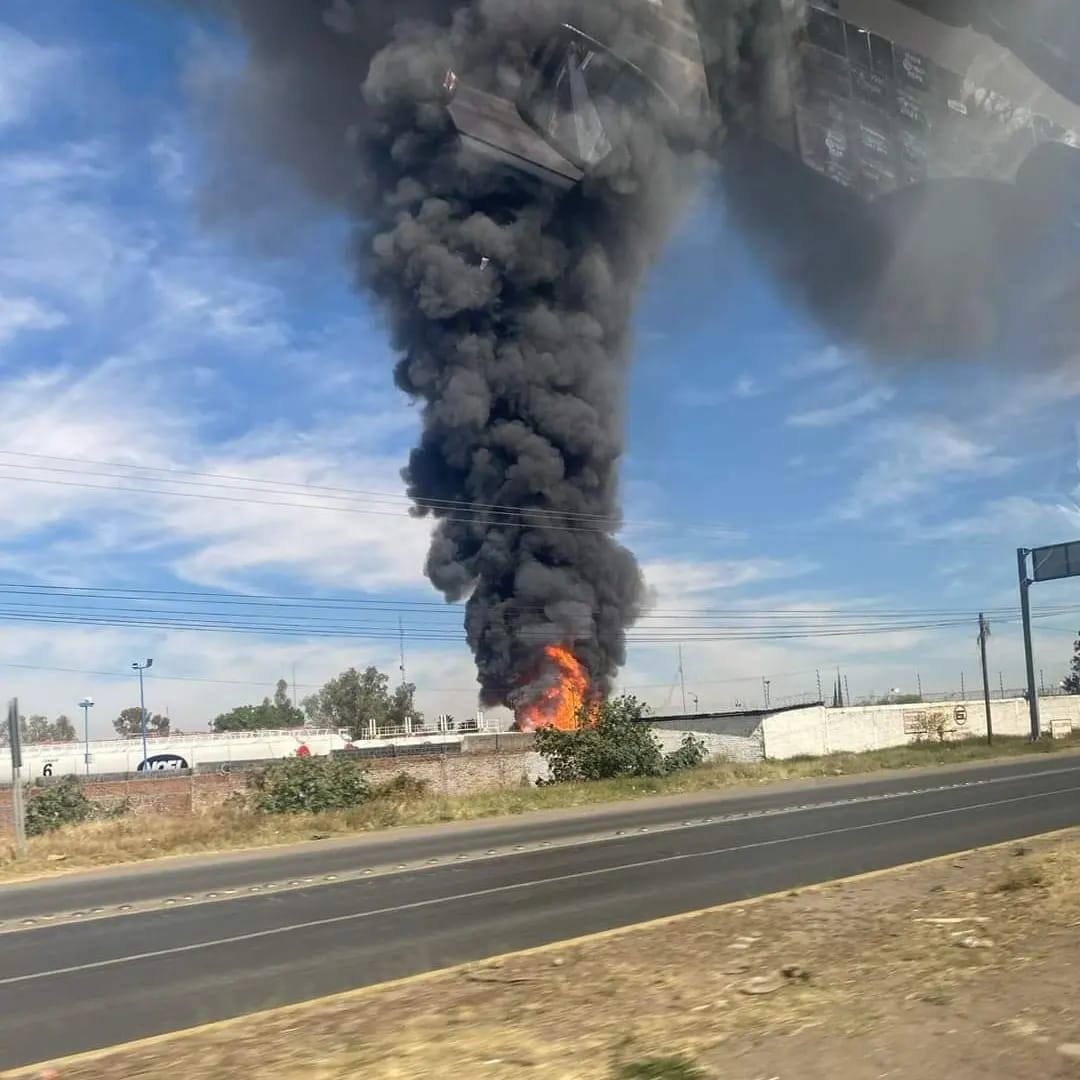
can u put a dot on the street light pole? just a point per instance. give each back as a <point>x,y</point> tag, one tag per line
<point>140,668</point>
<point>86,705</point>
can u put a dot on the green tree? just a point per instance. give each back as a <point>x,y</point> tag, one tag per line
<point>403,707</point>
<point>128,724</point>
<point>63,730</point>
<point>38,729</point>
<point>356,699</point>
<point>1071,683</point>
<point>288,714</point>
<point>271,714</point>
<point>5,734</point>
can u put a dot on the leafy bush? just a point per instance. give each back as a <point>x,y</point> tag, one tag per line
<point>57,805</point>
<point>690,755</point>
<point>308,785</point>
<point>404,786</point>
<point>660,1068</point>
<point>614,741</point>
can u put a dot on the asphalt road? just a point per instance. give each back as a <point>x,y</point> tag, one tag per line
<point>84,981</point>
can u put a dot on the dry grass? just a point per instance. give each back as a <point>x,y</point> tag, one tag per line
<point>661,1001</point>
<point>136,839</point>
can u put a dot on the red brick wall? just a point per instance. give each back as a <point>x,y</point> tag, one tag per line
<point>180,795</point>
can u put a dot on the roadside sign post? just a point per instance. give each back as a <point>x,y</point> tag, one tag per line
<point>18,811</point>
<point>1050,563</point>
<point>1029,655</point>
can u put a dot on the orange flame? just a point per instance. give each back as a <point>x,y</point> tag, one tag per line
<point>558,706</point>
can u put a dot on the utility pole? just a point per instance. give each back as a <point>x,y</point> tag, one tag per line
<point>847,693</point>
<point>1001,685</point>
<point>819,697</point>
<point>140,668</point>
<point>765,691</point>
<point>1042,682</point>
<point>963,688</point>
<point>18,812</point>
<point>682,681</point>
<point>984,633</point>
<point>918,682</point>
<point>1029,655</point>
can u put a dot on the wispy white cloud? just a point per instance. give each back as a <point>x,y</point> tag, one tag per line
<point>695,396</point>
<point>29,72</point>
<point>61,242</point>
<point>194,298</point>
<point>1013,521</point>
<point>914,456</point>
<point>826,361</point>
<point>19,313</point>
<point>746,386</point>
<point>162,316</point>
<point>64,168</point>
<point>688,583</point>
<point>828,416</point>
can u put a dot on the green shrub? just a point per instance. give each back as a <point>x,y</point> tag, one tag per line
<point>690,755</point>
<point>659,1068</point>
<point>57,805</point>
<point>308,785</point>
<point>404,786</point>
<point>617,742</point>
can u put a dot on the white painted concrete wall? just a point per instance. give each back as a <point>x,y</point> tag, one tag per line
<point>125,755</point>
<point>815,731</point>
<point>741,748</point>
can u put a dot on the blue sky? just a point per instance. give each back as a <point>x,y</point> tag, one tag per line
<point>767,469</point>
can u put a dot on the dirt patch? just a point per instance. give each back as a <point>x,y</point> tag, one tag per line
<point>963,967</point>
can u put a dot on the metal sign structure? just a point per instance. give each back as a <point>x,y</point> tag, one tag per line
<point>17,810</point>
<point>1051,563</point>
<point>1055,562</point>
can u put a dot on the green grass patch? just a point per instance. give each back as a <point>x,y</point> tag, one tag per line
<point>660,1068</point>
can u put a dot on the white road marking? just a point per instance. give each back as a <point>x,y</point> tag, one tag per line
<point>519,886</point>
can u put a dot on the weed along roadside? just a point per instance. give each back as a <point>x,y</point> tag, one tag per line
<point>961,966</point>
<point>301,799</point>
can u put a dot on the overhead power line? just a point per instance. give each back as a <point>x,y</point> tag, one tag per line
<point>299,627</point>
<point>344,499</point>
<point>159,676</point>
<point>397,606</point>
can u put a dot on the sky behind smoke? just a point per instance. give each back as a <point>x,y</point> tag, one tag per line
<point>128,332</point>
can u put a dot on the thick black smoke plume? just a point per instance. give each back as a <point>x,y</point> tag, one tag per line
<point>510,304</point>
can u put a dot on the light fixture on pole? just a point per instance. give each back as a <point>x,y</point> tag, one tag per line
<point>86,705</point>
<point>140,668</point>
